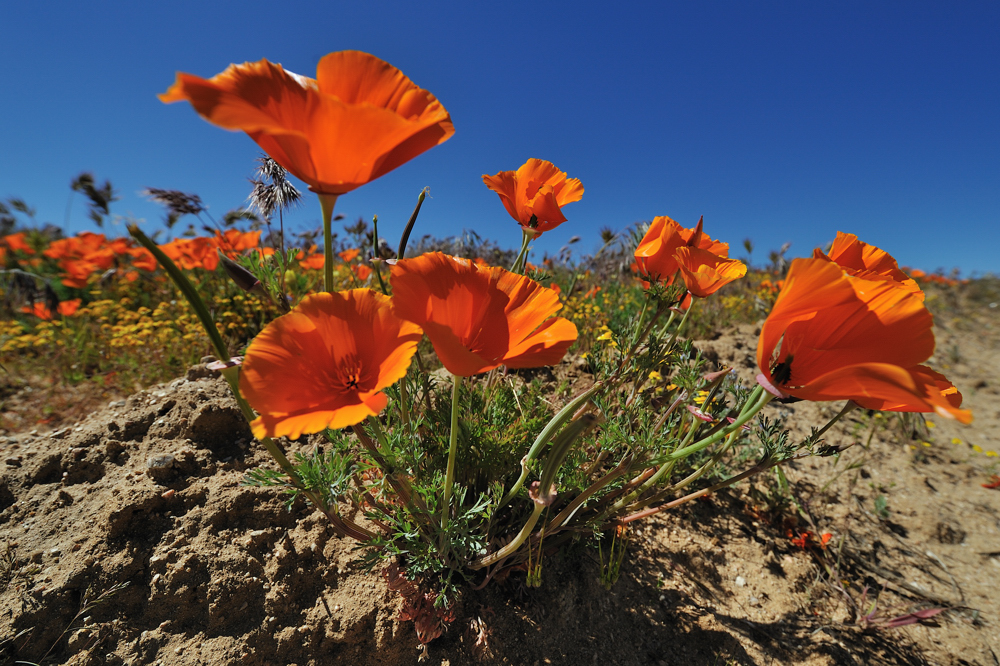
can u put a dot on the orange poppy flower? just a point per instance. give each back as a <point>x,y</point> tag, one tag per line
<point>655,256</point>
<point>361,271</point>
<point>535,194</point>
<point>866,261</point>
<point>38,309</point>
<point>833,336</point>
<point>705,273</point>
<point>69,308</point>
<point>77,272</point>
<point>357,120</point>
<point>479,318</point>
<point>349,255</point>
<point>324,364</point>
<point>17,243</point>
<point>197,252</point>
<point>143,259</point>
<point>315,261</point>
<point>234,241</point>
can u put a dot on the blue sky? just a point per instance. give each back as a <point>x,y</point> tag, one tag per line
<point>782,122</point>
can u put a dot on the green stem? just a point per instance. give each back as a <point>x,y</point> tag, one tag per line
<point>326,203</point>
<point>753,405</point>
<point>449,478</point>
<point>759,398</point>
<point>638,325</point>
<point>546,434</point>
<point>680,326</point>
<point>522,256</point>
<point>580,499</point>
<point>756,469</point>
<point>190,293</point>
<point>848,408</point>
<point>512,547</point>
<point>670,320</point>
<point>376,256</point>
<point>231,374</point>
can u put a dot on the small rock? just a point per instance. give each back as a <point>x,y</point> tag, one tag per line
<point>741,581</point>
<point>79,639</point>
<point>160,468</point>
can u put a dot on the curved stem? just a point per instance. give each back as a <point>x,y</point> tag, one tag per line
<point>673,338</point>
<point>512,547</point>
<point>759,398</point>
<point>753,405</point>
<point>186,288</point>
<point>326,203</point>
<point>545,435</point>
<point>231,374</point>
<point>449,478</point>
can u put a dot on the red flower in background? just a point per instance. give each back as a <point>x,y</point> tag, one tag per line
<point>17,243</point>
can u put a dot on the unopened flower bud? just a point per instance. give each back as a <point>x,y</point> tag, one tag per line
<point>712,376</point>
<point>243,278</point>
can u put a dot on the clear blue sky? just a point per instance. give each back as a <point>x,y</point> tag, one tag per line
<point>784,122</point>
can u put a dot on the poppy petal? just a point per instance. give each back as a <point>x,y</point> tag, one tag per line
<point>538,189</point>
<point>546,346</point>
<point>705,273</point>
<point>253,96</point>
<point>867,261</point>
<point>360,119</point>
<point>479,317</point>
<point>825,319</point>
<point>886,387</point>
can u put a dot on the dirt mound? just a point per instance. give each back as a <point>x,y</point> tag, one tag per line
<point>129,540</point>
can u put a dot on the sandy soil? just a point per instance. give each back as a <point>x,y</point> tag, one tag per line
<point>146,491</point>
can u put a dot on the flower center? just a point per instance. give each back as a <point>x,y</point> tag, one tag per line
<point>348,376</point>
<point>782,372</point>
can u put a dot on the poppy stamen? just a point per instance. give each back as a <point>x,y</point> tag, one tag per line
<point>782,372</point>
